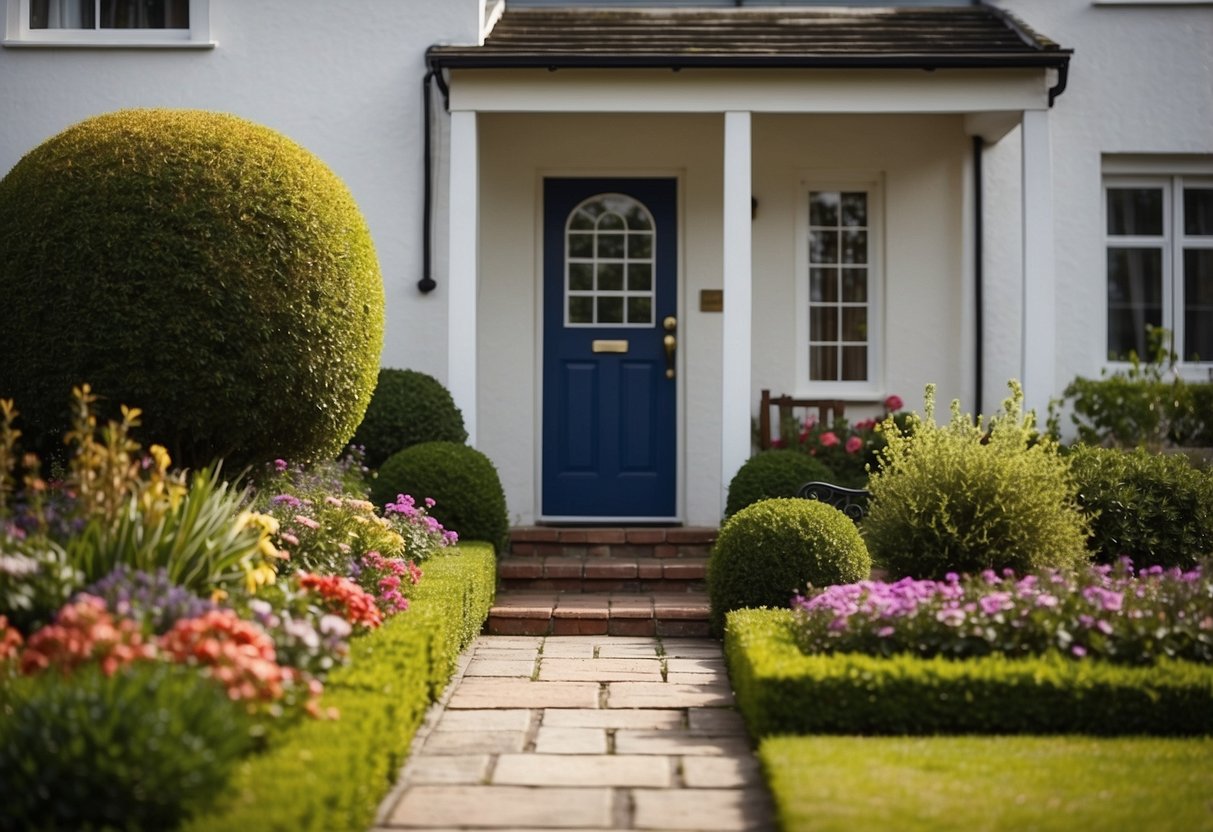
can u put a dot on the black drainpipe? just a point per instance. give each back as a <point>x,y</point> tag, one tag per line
<point>978,235</point>
<point>427,283</point>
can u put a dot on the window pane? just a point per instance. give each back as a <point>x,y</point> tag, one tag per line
<point>611,221</point>
<point>610,245</point>
<point>854,363</point>
<point>581,310</point>
<point>1134,298</point>
<point>581,276</point>
<point>855,285</point>
<point>1135,211</point>
<point>823,285</point>
<point>582,221</point>
<point>62,14</point>
<point>610,276</point>
<point>640,311</point>
<point>823,208</point>
<point>855,323</point>
<point>855,209</point>
<point>823,363</point>
<point>855,247</point>
<point>1198,212</point>
<point>638,218</point>
<point>640,246</point>
<point>581,245</point>
<point>145,14</point>
<point>823,323</point>
<point>1198,305</point>
<point>823,247</point>
<point>640,277</point>
<point>610,310</point>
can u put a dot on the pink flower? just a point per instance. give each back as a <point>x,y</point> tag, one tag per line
<point>280,465</point>
<point>854,445</point>
<point>829,439</point>
<point>893,403</point>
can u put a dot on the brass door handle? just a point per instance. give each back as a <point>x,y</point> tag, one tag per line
<point>670,323</point>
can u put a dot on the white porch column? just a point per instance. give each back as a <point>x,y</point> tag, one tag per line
<point>461,277</point>
<point>735,367</point>
<point>1039,329</point>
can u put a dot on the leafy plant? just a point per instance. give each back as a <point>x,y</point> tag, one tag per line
<point>768,550</point>
<point>407,408</point>
<point>1153,508</point>
<point>957,497</point>
<point>771,474</point>
<point>165,746</point>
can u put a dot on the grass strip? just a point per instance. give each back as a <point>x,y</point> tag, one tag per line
<point>330,775</point>
<point>780,690</point>
<point>934,784</point>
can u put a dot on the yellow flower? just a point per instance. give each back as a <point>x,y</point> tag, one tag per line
<point>259,575</point>
<point>160,455</point>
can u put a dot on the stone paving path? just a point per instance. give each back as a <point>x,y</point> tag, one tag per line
<point>583,732</point>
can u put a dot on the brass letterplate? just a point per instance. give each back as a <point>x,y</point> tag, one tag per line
<point>600,345</point>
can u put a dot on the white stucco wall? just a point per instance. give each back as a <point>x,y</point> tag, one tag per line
<point>342,80</point>
<point>1141,81</point>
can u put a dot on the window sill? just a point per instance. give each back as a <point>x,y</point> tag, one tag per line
<point>108,44</point>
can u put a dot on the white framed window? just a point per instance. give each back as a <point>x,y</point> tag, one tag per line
<point>839,286</point>
<point>108,23</point>
<point>1158,237</point>
<point>610,248</point>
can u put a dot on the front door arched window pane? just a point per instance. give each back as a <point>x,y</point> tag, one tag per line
<point>609,245</point>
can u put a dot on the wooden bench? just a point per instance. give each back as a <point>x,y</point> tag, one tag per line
<point>853,502</point>
<point>828,410</point>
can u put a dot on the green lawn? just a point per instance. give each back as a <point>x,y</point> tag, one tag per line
<point>990,783</point>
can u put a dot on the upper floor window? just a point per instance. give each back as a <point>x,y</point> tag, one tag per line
<point>108,23</point>
<point>1159,241</point>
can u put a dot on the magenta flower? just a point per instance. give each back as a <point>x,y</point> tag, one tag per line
<point>893,403</point>
<point>829,439</point>
<point>854,445</point>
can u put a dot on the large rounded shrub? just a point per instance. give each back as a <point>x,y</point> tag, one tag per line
<point>959,498</point>
<point>461,480</point>
<point>768,551</point>
<point>773,474</point>
<point>1156,509</point>
<point>407,408</point>
<point>196,265</point>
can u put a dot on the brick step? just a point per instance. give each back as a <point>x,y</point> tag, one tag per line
<point>594,574</point>
<point>612,542</point>
<point>534,613</point>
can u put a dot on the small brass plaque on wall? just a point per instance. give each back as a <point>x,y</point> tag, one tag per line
<point>711,300</point>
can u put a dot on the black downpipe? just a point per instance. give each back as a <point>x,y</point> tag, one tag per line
<point>978,237</point>
<point>427,284</point>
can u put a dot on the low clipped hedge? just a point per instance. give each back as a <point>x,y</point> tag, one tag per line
<point>772,474</point>
<point>408,408</point>
<point>332,774</point>
<point>780,690</point>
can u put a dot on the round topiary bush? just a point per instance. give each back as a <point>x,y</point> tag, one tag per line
<point>959,498</point>
<point>407,408</point>
<point>461,480</point>
<point>773,474</point>
<point>198,266</point>
<point>768,551</point>
<point>1155,508</point>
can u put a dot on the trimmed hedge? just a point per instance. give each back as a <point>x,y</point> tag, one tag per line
<point>773,474</point>
<point>780,690</point>
<point>332,774</point>
<point>408,408</point>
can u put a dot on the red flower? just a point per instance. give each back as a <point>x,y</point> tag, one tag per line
<point>893,403</point>
<point>345,598</point>
<point>829,439</point>
<point>84,631</point>
<point>854,445</point>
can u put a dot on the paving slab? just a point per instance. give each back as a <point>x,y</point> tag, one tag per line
<point>470,742</point>
<point>721,772</point>
<point>665,695</point>
<point>700,809</point>
<point>600,670</point>
<point>717,722</point>
<point>496,806</point>
<point>465,769</point>
<point>701,679</point>
<point>696,665</point>
<point>501,667</point>
<point>513,719</point>
<point>569,650</point>
<point>628,651</point>
<point>481,692</point>
<point>613,718</point>
<point>601,770</point>
<point>551,739</point>
<point>506,653</point>
<point>678,743</point>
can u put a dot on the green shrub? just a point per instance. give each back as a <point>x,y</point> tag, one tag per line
<point>330,776</point>
<point>408,408</point>
<point>771,474</point>
<point>766,552</point>
<point>461,480</point>
<point>196,265</point>
<point>1157,509</point>
<point>141,750</point>
<point>956,498</point>
<point>780,690</point>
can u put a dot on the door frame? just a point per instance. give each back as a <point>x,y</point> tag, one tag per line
<point>678,175</point>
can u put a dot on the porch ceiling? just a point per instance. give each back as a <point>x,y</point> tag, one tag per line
<point>840,38</point>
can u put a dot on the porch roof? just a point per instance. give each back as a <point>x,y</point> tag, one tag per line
<point>841,38</point>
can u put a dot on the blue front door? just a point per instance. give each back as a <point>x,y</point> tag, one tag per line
<point>610,341</point>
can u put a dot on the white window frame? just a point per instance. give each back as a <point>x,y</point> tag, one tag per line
<point>17,32</point>
<point>1173,243</point>
<point>872,388</point>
